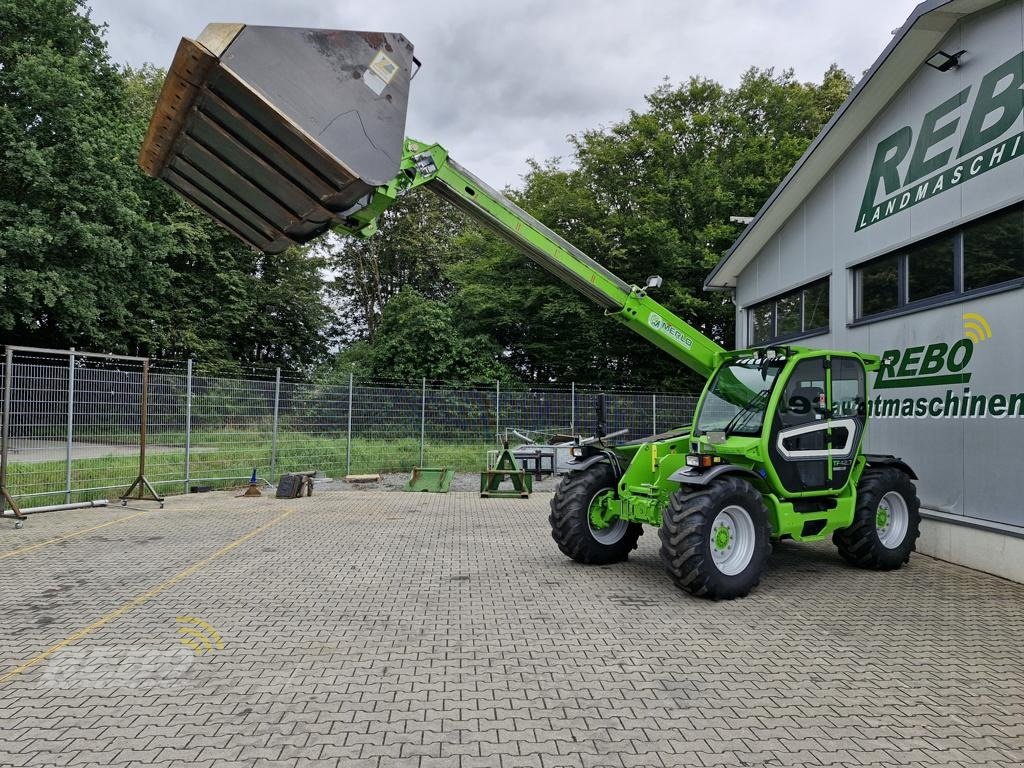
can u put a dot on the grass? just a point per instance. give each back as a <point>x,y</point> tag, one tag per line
<point>224,459</point>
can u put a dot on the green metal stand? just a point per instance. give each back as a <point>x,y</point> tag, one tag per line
<point>505,468</point>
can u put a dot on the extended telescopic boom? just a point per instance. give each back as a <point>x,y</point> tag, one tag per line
<point>280,134</point>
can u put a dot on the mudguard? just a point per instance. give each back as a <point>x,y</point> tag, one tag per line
<point>885,460</point>
<point>694,476</point>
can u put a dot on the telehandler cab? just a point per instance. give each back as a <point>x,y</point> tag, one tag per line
<point>281,134</point>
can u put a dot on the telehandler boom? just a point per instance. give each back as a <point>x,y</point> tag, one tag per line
<point>281,134</point>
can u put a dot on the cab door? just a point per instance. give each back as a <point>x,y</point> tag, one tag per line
<point>819,423</point>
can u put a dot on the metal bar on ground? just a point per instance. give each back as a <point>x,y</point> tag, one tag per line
<point>273,436</point>
<point>63,507</point>
<point>71,427</point>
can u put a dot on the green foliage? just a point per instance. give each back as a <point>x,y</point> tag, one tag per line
<point>420,337</point>
<point>410,249</point>
<point>650,195</point>
<point>95,255</point>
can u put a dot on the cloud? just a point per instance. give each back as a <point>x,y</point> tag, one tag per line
<point>503,82</point>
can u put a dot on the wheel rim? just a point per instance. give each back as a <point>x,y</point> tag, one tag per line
<point>732,540</point>
<point>891,520</point>
<point>613,533</point>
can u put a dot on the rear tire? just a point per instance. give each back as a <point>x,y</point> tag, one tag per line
<point>570,519</point>
<point>715,540</point>
<point>886,523</point>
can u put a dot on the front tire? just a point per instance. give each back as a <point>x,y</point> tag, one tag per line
<point>715,540</point>
<point>571,527</point>
<point>886,523</point>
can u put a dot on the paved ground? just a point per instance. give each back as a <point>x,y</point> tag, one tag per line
<point>394,629</point>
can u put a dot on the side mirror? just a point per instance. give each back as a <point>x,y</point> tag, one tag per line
<point>654,281</point>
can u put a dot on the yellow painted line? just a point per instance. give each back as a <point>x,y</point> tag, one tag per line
<point>67,536</point>
<point>135,602</point>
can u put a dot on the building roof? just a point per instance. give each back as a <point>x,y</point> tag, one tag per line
<point>911,44</point>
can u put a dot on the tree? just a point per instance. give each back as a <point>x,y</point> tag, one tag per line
<point>650,195</point>
<point>410,249</point>
<point>69,219</point>
<point>95,255</point>
<point>420,337</point>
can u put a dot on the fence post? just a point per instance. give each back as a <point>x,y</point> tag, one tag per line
<point>188,423</point>
<point>273,436</point>
<point>572,408</point>
<point>654,414</point>
<point>5,426</point>
<point>71,426</point>
<point>497,409</point>
<point>423,418</point>
<point>348,433</point>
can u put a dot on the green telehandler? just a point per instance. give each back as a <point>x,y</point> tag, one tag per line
<point>283,134</point>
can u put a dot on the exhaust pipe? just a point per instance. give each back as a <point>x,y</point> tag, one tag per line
<point>276,131</point>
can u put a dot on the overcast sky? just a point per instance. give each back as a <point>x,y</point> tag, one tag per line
<point>506,81</point>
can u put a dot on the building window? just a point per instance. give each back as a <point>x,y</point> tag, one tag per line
<point>981,255</point>
<point>994,249</point>
<point>798,313</point>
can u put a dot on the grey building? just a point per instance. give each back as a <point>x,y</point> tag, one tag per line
<point>901,232</point>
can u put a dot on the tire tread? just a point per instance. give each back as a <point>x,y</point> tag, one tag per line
<point>685,550</point>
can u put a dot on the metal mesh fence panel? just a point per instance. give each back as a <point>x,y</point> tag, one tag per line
<point>312,429</point>
<point>385,427</point>
<point>166,429</point>
<point>232,428</point>
<point>37,442</point>
<point>75,425</point>
<point>460,425</point>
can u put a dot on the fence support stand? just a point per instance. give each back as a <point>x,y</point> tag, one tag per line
<point>5,431</point>
<point>141,484</point>
<point>71,427</point>
<point>273,437</point>
<point>423,418</point>
<point>188,423</point>
<point>654,414</point>
<point>348,431</point>
<point>497,409</point>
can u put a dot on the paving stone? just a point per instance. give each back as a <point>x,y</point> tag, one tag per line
<point>437,631</point>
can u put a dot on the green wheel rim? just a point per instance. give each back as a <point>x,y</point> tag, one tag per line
<point>611,533</point>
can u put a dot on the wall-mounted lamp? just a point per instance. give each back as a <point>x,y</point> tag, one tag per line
<point>943,61</point>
